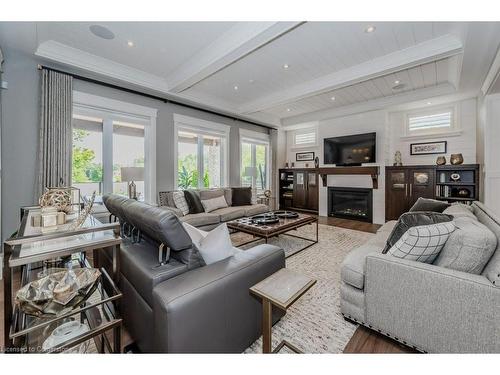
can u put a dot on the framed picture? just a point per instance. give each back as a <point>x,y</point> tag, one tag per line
<point>428,148</point>
<point>304,156</point>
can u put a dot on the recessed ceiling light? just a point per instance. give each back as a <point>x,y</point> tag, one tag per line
<point>396,82</point>
<point>288,109</point>
<point>130,43</point>
<point>286,66</point>
<point>429,103</point>
<point>235,88</point>
<point>332,98</point>
<point>102,32</point>
<point>370,29</point>
<point>251,81</point>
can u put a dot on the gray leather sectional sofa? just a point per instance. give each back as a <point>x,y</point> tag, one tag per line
<point>431,308</point>
<point>185,306</point>
<point>209,220</point>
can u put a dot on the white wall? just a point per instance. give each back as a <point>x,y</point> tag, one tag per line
<point>465,143</point>
<point>389,127</point>
<point>490,130</point>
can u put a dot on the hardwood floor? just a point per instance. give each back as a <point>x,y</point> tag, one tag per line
<point>366,341</point>
<point>349,224</point>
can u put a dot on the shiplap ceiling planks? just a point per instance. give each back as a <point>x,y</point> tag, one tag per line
<point>203,62</point>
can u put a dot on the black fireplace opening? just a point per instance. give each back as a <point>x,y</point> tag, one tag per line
<point>351,203</point>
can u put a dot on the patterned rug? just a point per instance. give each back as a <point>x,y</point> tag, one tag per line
<point>314,323</point>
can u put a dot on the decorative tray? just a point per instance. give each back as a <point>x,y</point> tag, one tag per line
<point>58,292</point>
<point>264,219</point>
<point>282,214</point>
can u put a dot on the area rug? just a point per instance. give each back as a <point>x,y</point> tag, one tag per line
<point>314,323</point>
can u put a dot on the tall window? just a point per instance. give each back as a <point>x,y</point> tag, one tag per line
<point>106,143</point>
<point>255,165</point>
<point>201,153</point>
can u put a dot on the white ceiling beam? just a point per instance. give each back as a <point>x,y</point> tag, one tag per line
<point>238,42</point>
<point>422,53</point>
<point>493,74</point>
<point>371,105</point>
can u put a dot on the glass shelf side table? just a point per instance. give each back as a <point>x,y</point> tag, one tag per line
<point>31,251</point>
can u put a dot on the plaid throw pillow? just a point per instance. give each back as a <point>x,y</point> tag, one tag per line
<point>422,243</point>
<point>180,202</point>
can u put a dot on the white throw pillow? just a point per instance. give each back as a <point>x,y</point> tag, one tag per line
<point>214,203</point>
<point>423,243</point>
<point>180,202</point>
<point>214,245</point>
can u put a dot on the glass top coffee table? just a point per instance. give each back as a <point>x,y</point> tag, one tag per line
<point>281,289</point>
<point>283,227</point>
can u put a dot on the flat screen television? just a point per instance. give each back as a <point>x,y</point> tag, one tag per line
<point>350,150</point>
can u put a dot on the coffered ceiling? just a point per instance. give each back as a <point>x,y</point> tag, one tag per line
<point>280,73</point>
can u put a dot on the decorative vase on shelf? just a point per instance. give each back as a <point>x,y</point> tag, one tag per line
<point>397,159</point>
<point>441,160</point>
<point>463,193</point>
<point>456,159</point>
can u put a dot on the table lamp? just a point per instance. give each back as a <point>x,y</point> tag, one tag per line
<point>131,174</point>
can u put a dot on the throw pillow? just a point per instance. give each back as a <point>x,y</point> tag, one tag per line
<point>241,196</point>
<point>194,202</point>
<point>423,243</point>
<point>211,193</point>
<point>214,203</point>
<point>425,204</point>
<point>214,245</point>
<point>180,202</point>
<point>469,247</point>
<point>413,219</point>
<point>460,210</point>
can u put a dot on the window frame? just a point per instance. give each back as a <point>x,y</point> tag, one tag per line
<point>110,110</point>
<point>454,128</point>
<point>256,138</point>
<point>201,127</point>
<point>305,131</point>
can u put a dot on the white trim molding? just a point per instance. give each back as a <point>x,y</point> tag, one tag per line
<point>111,109</point>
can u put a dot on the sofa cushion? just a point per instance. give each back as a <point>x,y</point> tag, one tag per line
<point>460,210</point>
<point>213,204</point>
<point>214,245</point>
<point>422,243</point>
<point>413,219</point>
<point>139,264</point>
<point>425,204</point>
<point>488,218</point>
<point>469,247</point>
<point>228,194</point>
<point>180,202</point>
<point>200,220</point>
<point>211,193</point>
<point>255,209</point>
<point>194,202</point>
<point>229,213</point>
<point>241,196</point>
<point>353,267</point>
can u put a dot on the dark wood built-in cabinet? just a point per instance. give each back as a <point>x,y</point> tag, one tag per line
<point>404,185</point>
<point>299,189</point>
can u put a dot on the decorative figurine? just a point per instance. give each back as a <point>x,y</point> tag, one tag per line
<point>456,159</point>
<point>316,162</point>
<point>441,160</point>
<point>397,159</point>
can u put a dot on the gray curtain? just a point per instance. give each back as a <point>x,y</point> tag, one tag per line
<point>56,100</point>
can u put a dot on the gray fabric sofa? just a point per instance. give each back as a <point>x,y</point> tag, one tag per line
<point>209,220</point>
<point>430,308</point>
<point>183,305</point>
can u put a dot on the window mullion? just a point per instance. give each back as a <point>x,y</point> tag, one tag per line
<point>107,155</point>
<point>200,162</point>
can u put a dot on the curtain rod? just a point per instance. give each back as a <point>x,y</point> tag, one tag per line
<point>155,97</point>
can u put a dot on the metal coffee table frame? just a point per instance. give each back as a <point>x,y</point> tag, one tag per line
<point>284,231</point>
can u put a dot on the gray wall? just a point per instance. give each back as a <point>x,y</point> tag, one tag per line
<point>20,134</point>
